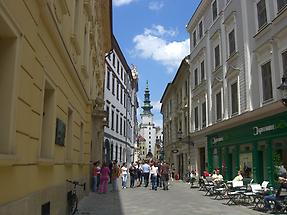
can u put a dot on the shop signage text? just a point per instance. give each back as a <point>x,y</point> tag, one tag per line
<point>260,130</point>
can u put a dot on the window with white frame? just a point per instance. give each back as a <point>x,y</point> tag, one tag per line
<point>234,98</point>
<point>112,120</point>
<point>284,63</point>
<point>202,72</point>
<point>216,56</point>
<point>218,106</point>
<point>196,118</point>
<point>281,4</point>
<point>113,85</point>
<point>117,123</point>
<point>266,81</point>
<point>203,114</point>
<point>214,10</point>
<point>200,29</point>
<point>194,38</point>
<point>261,13</point>
<point>231,42</point>
<point>195,77</point>
<point>108,79</point>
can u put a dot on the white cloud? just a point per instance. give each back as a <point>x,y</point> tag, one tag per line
<point>153,44</point>
<point>155,5</point>
<point>156,105</point>
<point>119,3</point>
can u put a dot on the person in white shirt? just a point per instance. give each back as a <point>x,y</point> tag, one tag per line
<point>239,177</point>
<point>124,175</point>
<point>153,175</point>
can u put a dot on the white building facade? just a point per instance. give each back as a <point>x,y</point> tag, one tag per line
<point>238,56</point>
<point>121,107</point>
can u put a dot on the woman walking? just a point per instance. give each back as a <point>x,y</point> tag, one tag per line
<point>124,175</point>
<point>96,176</point>
<point>105,171</point>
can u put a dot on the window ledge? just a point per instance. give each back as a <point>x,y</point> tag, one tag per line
<point>68,162</point>
<point>7,160</point>
<point>46,162</point>
<point>262,30</point>
<point>232,56</point>
<point>268,101</point>
<point>279,14</point>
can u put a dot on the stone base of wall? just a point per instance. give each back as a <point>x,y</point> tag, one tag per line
<point>32,203</point>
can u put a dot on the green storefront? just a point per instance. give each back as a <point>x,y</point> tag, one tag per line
<point>251,148</point>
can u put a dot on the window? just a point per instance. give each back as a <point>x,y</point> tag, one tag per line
<point>202,70</point>
<point>8,53</point>
<point>120,153</point>
<point>200,29</point>
<point>261,13</point>
<point>124,99</point>
<point>218,106</point>
<point>113,116</point>
<point>48,121</point>
<point>195,77</point>
<point>108,79</point>
<point>76,15</point>
<point>214,10</point>
<point>114,59</point>
<point>216,57</point>
<point>118,67</point>
<point>122,91</point>
<point>196,118</point>
<point>116,152</point>
<point>231,38</point>
<point>234,98</point>
<point>266,81</point>
<point>284,62</point>
<point>69,135</point>
<point>113,85</point>
<point>112,151</point>
<point>118,89</point>
<point>124,127</point>
<point>203,114</point>
<point>194,38</point>
<point>121,126</point>
<point>117,123</point>
<point>81,142</point>
<point>108,115</point>
<point>281,4</point>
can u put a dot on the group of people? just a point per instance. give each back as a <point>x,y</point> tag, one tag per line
<point>152,171</point>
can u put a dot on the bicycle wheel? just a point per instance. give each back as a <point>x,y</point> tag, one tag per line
<point>74,204</point>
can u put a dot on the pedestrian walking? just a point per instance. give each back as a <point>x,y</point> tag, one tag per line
<point>132,171</point>
<point>124,171</point>
<point>165,172</point>
<point>153,176</point>
<point>139,174</point>
<point>104,179</point>
<point>96,176</point>
<point>146,171</point>
<point>116,172</point>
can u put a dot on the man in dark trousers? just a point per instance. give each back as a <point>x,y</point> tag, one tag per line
<point>164,172</point>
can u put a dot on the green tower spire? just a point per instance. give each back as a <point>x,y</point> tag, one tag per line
<point>147,106</point>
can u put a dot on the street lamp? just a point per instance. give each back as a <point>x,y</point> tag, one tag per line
<point>283,90</point>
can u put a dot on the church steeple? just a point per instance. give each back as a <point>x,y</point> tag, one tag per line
<point>147,106</point>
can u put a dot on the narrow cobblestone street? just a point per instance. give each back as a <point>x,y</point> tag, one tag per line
<point>178,200</point>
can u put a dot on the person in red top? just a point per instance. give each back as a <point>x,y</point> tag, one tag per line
<point>205,173</point>
<point>105,171</point>
<point>96,176</point>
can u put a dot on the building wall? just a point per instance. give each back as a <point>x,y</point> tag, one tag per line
<point>120,99</point>
<point>48,75</point>
<point>253,48</point>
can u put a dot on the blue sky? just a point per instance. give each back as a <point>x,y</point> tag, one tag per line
<point>152,36</point>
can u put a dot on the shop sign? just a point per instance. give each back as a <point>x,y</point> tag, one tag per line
<point>217,139</point>
<point>260,130</point>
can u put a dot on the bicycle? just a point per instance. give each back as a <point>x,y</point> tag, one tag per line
<point>73,198</point>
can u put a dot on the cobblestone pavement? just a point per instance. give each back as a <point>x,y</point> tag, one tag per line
<point>178,200</point>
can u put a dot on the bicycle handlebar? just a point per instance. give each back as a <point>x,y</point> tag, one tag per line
<point>76,183</point>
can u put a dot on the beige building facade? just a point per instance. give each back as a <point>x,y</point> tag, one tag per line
<point>51,90</point>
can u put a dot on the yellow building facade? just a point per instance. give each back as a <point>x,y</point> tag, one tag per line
<point>51,92</point>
